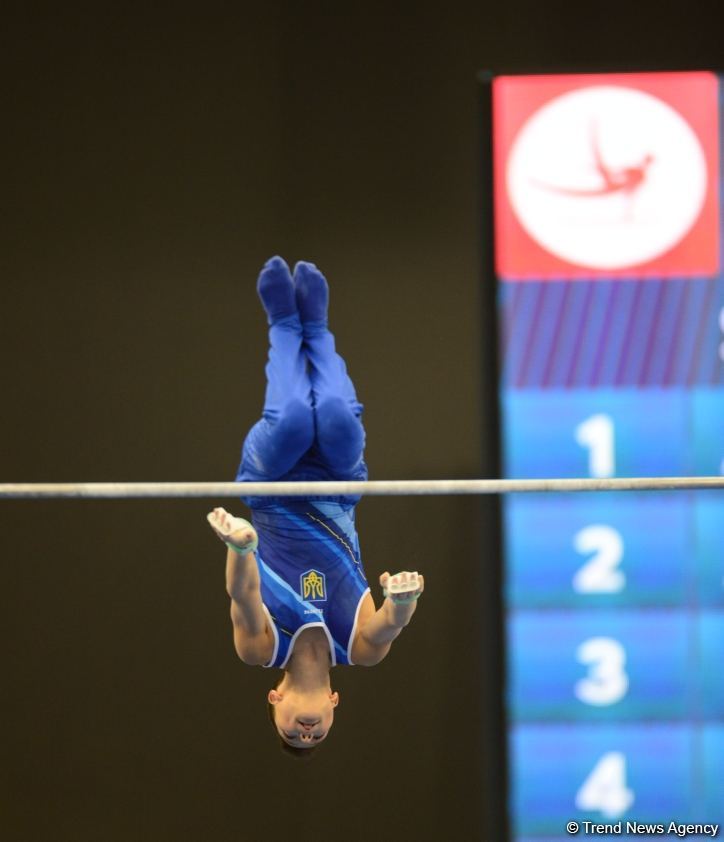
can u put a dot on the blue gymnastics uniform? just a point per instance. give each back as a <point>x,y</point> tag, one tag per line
<point>311,429</point>
<point>311,574</point>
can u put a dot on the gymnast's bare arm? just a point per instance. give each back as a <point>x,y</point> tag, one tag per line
<point>253,639</point>
<point>377,629</point>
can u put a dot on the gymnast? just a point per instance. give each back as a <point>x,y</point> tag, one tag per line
<point>299,596</point>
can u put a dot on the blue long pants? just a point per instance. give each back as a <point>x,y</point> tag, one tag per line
<point>311,424</point>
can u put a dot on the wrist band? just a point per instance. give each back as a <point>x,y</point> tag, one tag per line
<point>249,548</point>
<point>402,600</point>
<point>240,523</point>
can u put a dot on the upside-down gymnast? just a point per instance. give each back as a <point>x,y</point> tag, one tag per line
<point>299,595</point>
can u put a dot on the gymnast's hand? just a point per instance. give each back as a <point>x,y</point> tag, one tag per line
<point>234,531</point>
<point>402,588</point>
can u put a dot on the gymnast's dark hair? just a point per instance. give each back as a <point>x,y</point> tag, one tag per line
<point>292,751</point>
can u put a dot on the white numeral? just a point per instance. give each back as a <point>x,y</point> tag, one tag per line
<point>605,790</point>
<point>606,682</point>
<point>596,433</point>
<point>599,574</point>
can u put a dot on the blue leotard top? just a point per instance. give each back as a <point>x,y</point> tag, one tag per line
<point>311,573</point>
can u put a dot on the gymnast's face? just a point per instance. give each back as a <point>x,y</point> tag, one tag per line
<point>303,719</point>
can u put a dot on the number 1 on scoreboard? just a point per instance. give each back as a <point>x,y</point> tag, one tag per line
<point>597,434</point>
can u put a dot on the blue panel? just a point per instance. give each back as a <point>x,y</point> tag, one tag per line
<point>550,764</point>
<point>627,834</point>
<point>711,648</point>
<point>544,568</point>
<point>651,429</point>
<point>712,739</point>
<point>708,411</point>
<point>639,672</point>
<point>709,545</point>
<point>617,837</point>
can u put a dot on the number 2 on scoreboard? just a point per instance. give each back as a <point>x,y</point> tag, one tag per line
<point>600,574</point>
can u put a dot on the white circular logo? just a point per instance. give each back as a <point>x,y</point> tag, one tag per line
<point>606,177</point>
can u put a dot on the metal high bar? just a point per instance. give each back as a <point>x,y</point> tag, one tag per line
<point>168,490</point>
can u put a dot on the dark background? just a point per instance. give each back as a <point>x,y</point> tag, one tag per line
<point>152,159</point>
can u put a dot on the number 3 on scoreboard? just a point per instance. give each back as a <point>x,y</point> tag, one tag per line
<point>605,790</point>
<point>607,681</point>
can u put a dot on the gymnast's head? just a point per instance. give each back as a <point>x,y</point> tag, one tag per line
<point>302,717</point>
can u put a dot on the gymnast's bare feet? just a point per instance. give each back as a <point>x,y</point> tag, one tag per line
<point>233,530</point>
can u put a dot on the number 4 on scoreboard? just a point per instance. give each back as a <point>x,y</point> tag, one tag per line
<point>605,790</point>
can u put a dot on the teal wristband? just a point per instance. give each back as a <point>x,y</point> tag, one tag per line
<point>240,523</point>
<point>404,600</point>
<point>249,548</point>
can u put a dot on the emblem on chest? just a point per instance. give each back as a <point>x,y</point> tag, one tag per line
<point>313,586</point>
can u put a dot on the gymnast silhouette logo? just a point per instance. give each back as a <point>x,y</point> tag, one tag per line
<point>626,179</point>
<point>313,586</point>
<point>606,177</point>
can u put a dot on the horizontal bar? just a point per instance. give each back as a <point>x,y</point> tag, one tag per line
<point>128,490</point>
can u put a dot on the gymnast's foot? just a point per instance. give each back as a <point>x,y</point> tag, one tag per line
<point>276,290</point>
<point>312,293</point>
<point>233,530</point>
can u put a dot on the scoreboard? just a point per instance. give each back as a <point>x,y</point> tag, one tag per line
<point>608,239</point>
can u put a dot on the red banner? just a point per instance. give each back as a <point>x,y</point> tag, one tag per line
<point>606,175</point>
